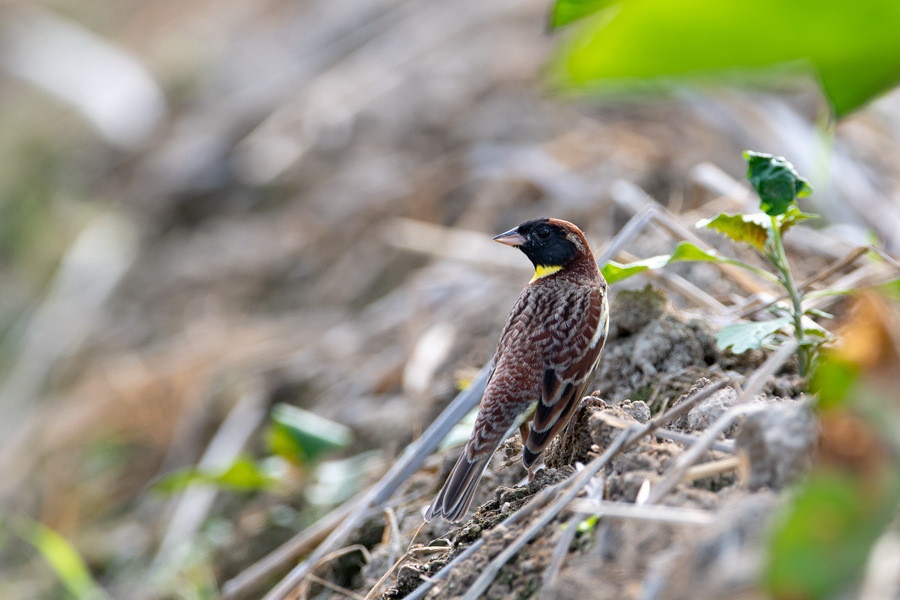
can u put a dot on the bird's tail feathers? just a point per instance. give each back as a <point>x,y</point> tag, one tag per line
<point>455,497</point>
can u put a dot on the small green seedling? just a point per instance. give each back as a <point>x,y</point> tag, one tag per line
<point>778,186</point>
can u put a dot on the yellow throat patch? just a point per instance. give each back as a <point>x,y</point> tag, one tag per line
<point>544,270</point>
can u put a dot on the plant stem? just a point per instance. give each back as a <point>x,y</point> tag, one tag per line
<point>781,263</point>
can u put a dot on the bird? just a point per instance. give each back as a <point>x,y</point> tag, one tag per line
<point>546,355</point>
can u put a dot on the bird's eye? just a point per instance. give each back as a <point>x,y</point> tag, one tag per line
<point>543,233</point>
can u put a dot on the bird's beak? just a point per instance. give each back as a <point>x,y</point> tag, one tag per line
<point>511,238</point>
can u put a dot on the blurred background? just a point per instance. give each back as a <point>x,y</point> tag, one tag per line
<point>213,214</point>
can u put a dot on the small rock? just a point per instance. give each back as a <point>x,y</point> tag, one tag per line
<point>637,409</point>
<point>707,412</point>
<point>779,443</point>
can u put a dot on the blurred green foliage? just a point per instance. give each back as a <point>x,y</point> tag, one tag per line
<point>243,475</point>
<point>302,437</point>
<point>648,45</point>
<point>62,557</point>
<point>824,542</point>
<point>821,545</point>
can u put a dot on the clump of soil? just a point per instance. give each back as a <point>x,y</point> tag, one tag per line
<point>652,354</point>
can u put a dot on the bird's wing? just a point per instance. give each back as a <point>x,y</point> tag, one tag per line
<point>569,360</point>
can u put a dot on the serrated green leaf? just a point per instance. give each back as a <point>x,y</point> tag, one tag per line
<point>684,251</point>
<point>776,182</point>
<point>749,229</point>
<point>741,337</point>
<point>568,11</point>
<point>303,436</point>
<point>654,45</point>
<point>64,559</point>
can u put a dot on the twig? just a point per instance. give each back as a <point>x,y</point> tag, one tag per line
<point>595,492</point>
<point>286,554</point>
<point>303,589</point>
<point>334,587</point>
<point>410,550</point>
<point>408,463</point>
<point>823,274</point>
<point>667,434</point>
<point>536,503</point>
<point>753,384</point>
<point>713,467</point>
<point>644,512</point>
<point>191,507</point>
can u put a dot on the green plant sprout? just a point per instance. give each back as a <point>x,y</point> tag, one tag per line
<point>778,186</point>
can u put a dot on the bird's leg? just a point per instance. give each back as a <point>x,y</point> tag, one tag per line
<point>523,431</point>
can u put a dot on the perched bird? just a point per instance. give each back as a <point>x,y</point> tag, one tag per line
<point>547,352</point>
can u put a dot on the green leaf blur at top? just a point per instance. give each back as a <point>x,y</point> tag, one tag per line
<point>301,436</point>
<point>567,11</point>
<point>776,182</point>
<point>741,337</point>
<point>651,44</point>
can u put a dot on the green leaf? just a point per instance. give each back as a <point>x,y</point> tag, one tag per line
<point>567,11</point>
<point>792,216</point>
<point>654,45</point>
<point>752,229</point>
<point>302,436</point>
<point>824,542</point>
<point>741,337</point>
<point>63,558</point>
<point>776,182</point>
<point>684,251</point>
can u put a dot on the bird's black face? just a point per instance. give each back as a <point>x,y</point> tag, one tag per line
<point>544,243</point>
